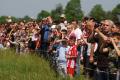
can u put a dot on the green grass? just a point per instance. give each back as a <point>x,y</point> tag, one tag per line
<point>25,67</point>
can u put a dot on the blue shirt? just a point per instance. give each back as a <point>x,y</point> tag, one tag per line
<point>46,32</point>
<point>62,53</point>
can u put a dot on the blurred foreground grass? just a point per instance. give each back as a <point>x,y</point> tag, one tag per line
<point>26,67</point>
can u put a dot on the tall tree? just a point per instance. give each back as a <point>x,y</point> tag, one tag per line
<point>43,14</point>
<point>3,19</point>
<point>109,15</point>
<point>73,10</point>
<point>27,18</point>
<point>115,12</point>
<point>57,12</point>
<point>97,12</point>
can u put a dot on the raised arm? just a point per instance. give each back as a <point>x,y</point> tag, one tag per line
<point>116,47</point>
<point>101,34</point>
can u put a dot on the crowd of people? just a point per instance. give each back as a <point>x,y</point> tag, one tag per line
<point>93,44</point>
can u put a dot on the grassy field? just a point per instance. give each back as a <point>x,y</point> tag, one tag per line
<point>26,67</point>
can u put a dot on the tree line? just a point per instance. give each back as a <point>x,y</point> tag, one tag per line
<point>72,10</point>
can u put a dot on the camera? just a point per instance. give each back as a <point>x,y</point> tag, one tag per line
<point>97,24</point>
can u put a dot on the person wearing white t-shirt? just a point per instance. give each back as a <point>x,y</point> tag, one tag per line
<point>77,30</point>
<point>78,34</point>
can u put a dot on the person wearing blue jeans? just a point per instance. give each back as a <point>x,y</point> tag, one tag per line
<point>62,61</point>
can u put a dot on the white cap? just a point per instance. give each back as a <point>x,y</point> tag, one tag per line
<point>64,28</point>
<point>62,15</point>
<point>53,26</point>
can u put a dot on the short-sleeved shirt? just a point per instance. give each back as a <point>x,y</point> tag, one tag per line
<point>78,33</point>
<point>62,53</point>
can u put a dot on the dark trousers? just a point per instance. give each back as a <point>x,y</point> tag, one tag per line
<point>44,49</point>
<point>115,75</point>
<point>101,74</point>
<point>88,67</point>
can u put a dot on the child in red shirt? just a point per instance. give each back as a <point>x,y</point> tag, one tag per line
<point>71,56</point>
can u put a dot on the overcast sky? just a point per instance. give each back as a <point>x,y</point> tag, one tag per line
<point>20,8</point>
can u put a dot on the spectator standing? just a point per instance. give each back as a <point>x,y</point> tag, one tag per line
<point>71,57</point>
<point>62,61</point>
